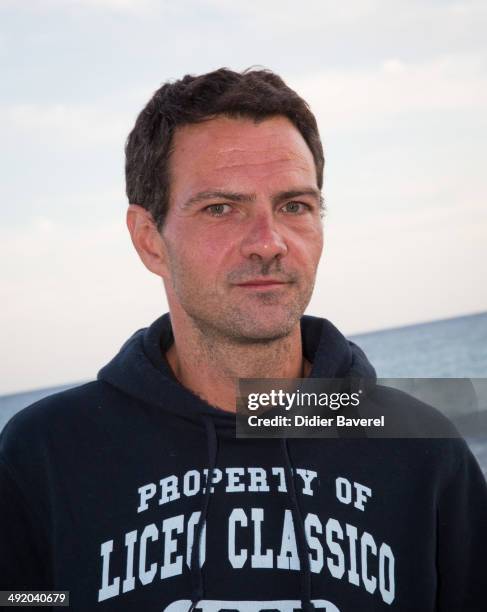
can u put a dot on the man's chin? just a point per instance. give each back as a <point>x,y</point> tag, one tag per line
<point>261,336</point>
<point>262,332</point>
<point>245,330</point>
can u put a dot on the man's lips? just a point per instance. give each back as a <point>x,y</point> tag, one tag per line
<point>268,282</point>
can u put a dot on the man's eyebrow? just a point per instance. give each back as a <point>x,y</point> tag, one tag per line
<point>234,196</point>
<point>217,194</point>
<point>296,193</point>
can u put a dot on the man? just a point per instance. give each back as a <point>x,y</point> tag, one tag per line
<point>133,493</point>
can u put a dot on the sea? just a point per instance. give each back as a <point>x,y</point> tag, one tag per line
<point>448,348</point>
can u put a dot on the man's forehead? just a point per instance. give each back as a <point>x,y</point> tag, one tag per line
<point>229,153</point>
<point>233,137</point>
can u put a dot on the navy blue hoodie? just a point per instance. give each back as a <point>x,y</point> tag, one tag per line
<point>105,492</point>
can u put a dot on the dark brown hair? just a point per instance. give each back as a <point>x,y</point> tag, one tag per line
<point>257,94</point>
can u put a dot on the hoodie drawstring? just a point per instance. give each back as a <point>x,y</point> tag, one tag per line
<point>198,590</point>
<point>303,548</point>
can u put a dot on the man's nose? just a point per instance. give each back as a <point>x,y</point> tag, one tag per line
<point>264,239</point>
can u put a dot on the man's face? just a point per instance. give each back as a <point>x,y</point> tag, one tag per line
<point>243,234</point>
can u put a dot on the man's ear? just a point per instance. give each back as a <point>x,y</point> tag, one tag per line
<point>147,240</point>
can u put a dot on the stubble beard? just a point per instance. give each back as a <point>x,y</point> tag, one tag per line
<point>219,319</point>
<point>234,324</point>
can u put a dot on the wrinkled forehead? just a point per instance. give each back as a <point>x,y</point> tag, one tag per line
<point>239,150</point>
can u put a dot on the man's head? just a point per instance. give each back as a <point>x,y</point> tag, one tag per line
<point>254,94</point>
<point>239,238</point>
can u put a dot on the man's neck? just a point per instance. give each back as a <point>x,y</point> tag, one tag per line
<point>211,366</point>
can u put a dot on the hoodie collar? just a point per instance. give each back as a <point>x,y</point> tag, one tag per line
<point>141,371</point>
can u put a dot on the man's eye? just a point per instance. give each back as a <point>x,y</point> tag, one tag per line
<point>218,210</point>
<point>295,208</point>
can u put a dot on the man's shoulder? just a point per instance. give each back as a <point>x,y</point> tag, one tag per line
<point>50,416</point>
<point>407,416</point>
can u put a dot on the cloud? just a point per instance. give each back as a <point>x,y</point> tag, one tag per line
<point>120,6</point>
<point>73,125</point>
<point>355,98</point>
<point>289,16</point>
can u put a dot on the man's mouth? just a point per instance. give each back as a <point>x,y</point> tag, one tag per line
<point>262,283</point>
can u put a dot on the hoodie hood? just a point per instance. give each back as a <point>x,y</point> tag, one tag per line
<point>140,370</point>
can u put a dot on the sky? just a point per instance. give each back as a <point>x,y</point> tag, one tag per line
<point>399,90</point>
